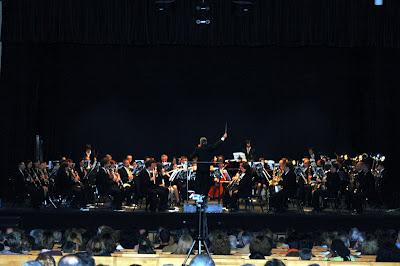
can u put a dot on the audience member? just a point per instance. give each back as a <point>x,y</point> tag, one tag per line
<point>202,260</point>
<point>260,247</point>
<point>274,262</point>
<point>184,244</point>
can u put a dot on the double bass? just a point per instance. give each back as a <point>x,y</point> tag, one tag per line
<point>220,177</point>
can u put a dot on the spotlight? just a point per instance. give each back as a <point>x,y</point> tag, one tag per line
<point>199,21</point>
<point>202,6</point>
<point>378,2</point>
<point>163,5</point>
<point>241,7</point>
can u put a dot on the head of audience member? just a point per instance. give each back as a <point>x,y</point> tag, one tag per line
<point>305,254</point>
<point>338,249</point>
<point>110,240</point>
<point>220,243</point>
<point>260,247</point>
<point>69,247</point>
<point>274,262</point>
<point>369,247</point>
<point>128,241</point>
<point>145,247</point>
<point>57,236</point>
<point>37,234</point>
<point>184,244</point>
<point>46,259</point>
<point>13,241</point>
<point>97,247</point>
<point>27,243</point>
<point>48,240</point>
<point>75,236</point>
<point>233,241</point>
<point>77,259</point>
<point>165,236</point>
<point>245,238</point>
<point>202,260</point>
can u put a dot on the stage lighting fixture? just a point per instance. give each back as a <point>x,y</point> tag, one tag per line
<point>378,2</point>
<point>164,5</point>
<point>202,13</point>
<point>241,7</point>
<point>203,6</point>
<point>199,21</point>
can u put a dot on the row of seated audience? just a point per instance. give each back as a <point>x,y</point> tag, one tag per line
<point>105,241</point>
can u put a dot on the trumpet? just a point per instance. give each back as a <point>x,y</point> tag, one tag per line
<point>235,181</point>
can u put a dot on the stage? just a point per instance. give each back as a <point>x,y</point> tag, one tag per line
<point>26,218</point>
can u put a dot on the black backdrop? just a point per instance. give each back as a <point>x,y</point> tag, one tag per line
<point>97,88</point>
<point>161,99</point>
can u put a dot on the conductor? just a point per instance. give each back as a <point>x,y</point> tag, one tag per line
<point>203,154</point>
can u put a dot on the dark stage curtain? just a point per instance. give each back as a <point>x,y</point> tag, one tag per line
<point>340,23</point>
<point>148,101</point>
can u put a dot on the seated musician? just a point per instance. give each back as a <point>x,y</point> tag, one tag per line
<point>33,186</point>
<point>261,181</point>
<point>333,182</point>
<point>305,183</point>
<point>239,187</point>
<point>164,169</point>
<point>151,187</point>
<point>364,187</point>
<point>44,179</point>
<point>67,183</point>
<point>81,169</point>
<point>221,176</point>
<point>128,181</point>
<point>108,184</point>
<point>164,161</point>
<point>283,185</point>
<point>179,185</point>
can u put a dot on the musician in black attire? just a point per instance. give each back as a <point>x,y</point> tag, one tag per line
<point>18,183</point>
<point>330,187</point>
<point>150,186</point>
<point>127,178</point>
<point>364,187</point>
<point>240,187</point>
<point>107,185</point>
<point>68,186</point>
<point>249,151</point>
<point>333,181</point>
<point>288,186</point>
<point>81,170</point>
<point>304,192</point>
<point>367,182</point>
<point>204,153</point>
<point>33,185</point>
<point>385,186</point>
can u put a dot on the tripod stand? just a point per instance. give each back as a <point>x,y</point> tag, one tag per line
<point>202,228</point>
